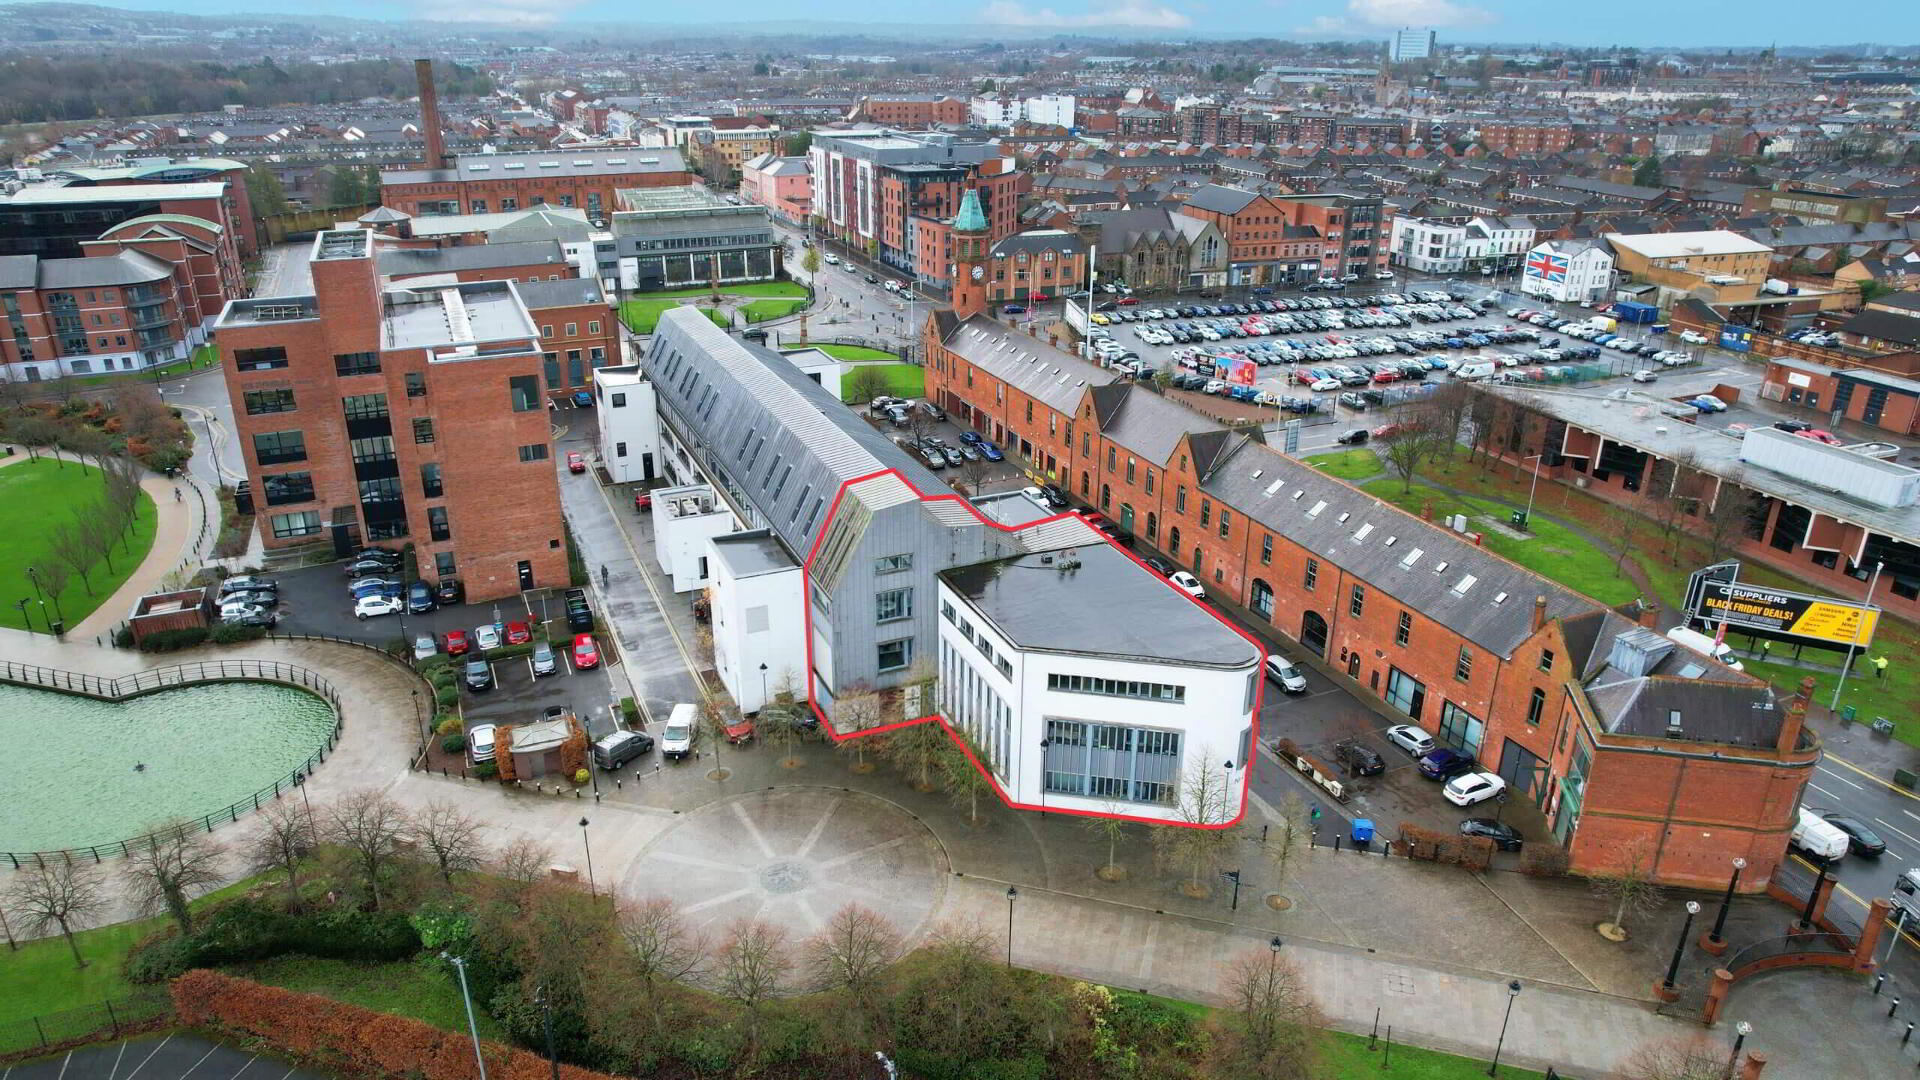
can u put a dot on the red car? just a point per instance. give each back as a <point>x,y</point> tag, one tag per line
<point>1127,301</point>
<point>1039,298</point>
<point>642,501</point>
<point>458,643</point>
<point>1386,375</point>
<point>575,462</point>
<point>586,655</point>
<point>1819,436</point>
<point>1386,431</point>
<point>519,633</point>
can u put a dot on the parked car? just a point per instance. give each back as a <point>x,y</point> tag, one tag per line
<point>1414,741</point>
<point>642,501</point>
<point>519,633</point>
<point>617,749</point>
<point>425,646</point>
<point>1055,496</point>
<point>478,674</point>
<point>362,567</point>
<point>420,598</point>
<point>1504,836</point>
<point>1356,437</point>
<point>1159,565</point>
<point>1282,670</point>
<point>586,655</point>
<point>576,462</point>
<point>486,638</point>
<point>1358,757</point>
<point>372,584</point>
<point>1644,376</point>
<point>368,607</point>
<point>543,660</point>
<point>458,643</point>
<point>1474,787</point>
<point>676,741</point>
<point>1188,584</point>
<point>1445,763</point>
<point>449,591</point>
<point>247,583</point>
<point>480,743</point>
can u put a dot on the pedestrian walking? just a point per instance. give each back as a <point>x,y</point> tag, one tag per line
<point>1880,667</point>
<point>176,493</point>
<point>603,575</point>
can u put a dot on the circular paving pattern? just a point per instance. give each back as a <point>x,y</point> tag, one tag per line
<point>793,856</point>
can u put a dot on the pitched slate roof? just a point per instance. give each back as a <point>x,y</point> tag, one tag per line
<point>1031,366</point>
<point>1222,200</point>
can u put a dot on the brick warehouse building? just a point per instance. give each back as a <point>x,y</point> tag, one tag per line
<point>370,413</point>
<point>1613,734</point>
<point>499,183</point>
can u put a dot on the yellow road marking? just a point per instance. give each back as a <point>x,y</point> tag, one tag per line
<point>1838,760</point>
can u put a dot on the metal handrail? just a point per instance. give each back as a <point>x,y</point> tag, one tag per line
<point>156,679</point>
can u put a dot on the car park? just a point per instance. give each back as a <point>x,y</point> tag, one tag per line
<point>1414,741</point>
<point>1504,836</point>
<point>1470,788</point>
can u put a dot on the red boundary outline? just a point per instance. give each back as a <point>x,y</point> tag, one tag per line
<point>1260,682</point>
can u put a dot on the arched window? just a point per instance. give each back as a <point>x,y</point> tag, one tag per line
<point>1173,541</point>
<point>1262,598</point>
<point>1153,526</point>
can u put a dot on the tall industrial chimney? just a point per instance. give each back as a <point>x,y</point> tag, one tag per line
<point>430,115</point>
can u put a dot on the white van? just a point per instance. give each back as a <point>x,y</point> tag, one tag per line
<point>1478,368</point>
<point>677,740</point>
<point>1817,838</point>
<point>1701,643</point>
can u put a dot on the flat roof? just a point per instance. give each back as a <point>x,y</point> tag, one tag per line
<point>608,162</point>
<point>472,313</point>
<point>1093,600</point>
<point>62,194</point>
<point>750,554</point>
<point>1677,245</point>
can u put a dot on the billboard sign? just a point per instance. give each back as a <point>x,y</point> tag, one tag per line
<point>1241,373</point>
<point>1818,619</point>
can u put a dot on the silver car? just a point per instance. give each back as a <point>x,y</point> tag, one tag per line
<point>543,660</point>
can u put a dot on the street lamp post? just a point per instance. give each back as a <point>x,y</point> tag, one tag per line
<point>1513,992</point>
<point>1233,876</point>
<point>1740,1032</point>
<point>588,845</point>
<point>473,1028</point>
<point>1813,897</point>
<point>22,605</point>
<point>1680,947</point>
<point>1527,518</point>
<point>1012,895</point>
<point>1720,920</point>
<point>763,685</point>
<point>545,1005</point>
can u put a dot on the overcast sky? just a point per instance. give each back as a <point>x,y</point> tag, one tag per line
<point>1624,22</point>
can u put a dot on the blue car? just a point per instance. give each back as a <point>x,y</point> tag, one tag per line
<point>989,451</point>
<point>1445,763</point>
<point>972,437</point>
<point>583,399</point>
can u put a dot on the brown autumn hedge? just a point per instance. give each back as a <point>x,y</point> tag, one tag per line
<point>346,1037</point>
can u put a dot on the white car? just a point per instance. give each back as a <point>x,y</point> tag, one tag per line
<point>1282,670</point>
<point>425,647</point>
<point>832,260</point>
<point>1474,787</point>
<point>1414,741</point>
<point>486,638</point>
<point>1325,384</point>
<point>480,743</point>
<point>1693,337</point>
<point>369,606</point>
<point>1644,376</point>
<point>1188,584</point>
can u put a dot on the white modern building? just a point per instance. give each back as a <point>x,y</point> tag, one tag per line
<point>1490,244</point>
<point>1086,682</point>
<point>757,605</point>
<point>1409,44</point>
<point>623,398</point>
<point>1569,271</point>
<point>1052,109</point>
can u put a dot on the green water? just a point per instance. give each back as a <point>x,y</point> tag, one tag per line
<point>70,767</point>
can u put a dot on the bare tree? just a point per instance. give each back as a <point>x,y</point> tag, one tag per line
<point>372,828</point>
<point>89,444</point>
<point>60,894</point>
<point>100,526</point>
<point>960,776</point>
<point>522,864</point>
<point>285,838</point>
<point>34,431</point>
<point>1629,887</point>
<point>453,838</point>
<point>864,383</point>
<point>1685,1057</point>
<point>752,967</point>
<point>1288,839</point>
<point>1108,825</point>
<point>72,546</point>
<point>1727,519</point>
<point>660,948</point>
<point>167,870</point>
<point>717,714</point>
<point>1483,411</point>
<point>1270,1029</point>
<point>852,955</point>
<point>1446,409</point>
<point>1413,445</point>
<point>123,495</point>
<point>54,575</point>
<point>1202,805</point>
<point>975,472</point>
<point>916,750</point>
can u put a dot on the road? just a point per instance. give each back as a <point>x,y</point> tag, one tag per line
<point>202,400</point>
<point>1840,786</point>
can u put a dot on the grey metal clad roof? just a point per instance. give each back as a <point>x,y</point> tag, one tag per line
<point>1040,240</point>
<point>1446,577</point>
<point>1027,364</point>
<point>394,261</point>
<point>1221,200</point>
<point>567,292</point>
<point>1108,606</point>
<point>758,417</point>
<point>608,162</point>
<point>1148,424</point>
<point>126,268</point>
<point>19,271</point>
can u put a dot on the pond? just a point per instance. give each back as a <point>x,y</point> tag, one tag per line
<point>76,771</point>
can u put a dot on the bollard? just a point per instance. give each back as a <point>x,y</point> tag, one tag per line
<point>1892,1007</point>
<point>616,782</point>
<point>1336,841</point>
<point>1877,983</point>
<point>1908,1037</point>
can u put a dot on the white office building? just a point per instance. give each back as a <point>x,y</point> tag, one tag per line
<point>1052,109</point>
<point>1406,45</point>
<point>1084,681</point>
<point>1489,244</point>
<point>623,398</point>
<point>1569,271</point>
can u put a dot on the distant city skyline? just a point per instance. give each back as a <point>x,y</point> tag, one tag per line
<point>1641,23</point>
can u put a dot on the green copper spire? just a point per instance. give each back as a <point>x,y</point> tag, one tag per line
<point>970,218</point>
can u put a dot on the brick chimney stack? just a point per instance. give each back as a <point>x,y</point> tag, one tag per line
<point>1539,613</point>
<point>430,115</point>
<point>1795,718</point>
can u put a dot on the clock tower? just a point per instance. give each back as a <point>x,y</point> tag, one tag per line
<point>970,257</point>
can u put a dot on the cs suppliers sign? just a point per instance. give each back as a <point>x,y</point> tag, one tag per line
<point>1817,619</point>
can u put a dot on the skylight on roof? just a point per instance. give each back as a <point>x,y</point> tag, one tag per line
<point>1440,567</point>
<point>1296,495</point>
<point>1411,557</point>
<point>1390,541</point>
<point>1499,598</point>
<point>1464,584</point>
<point>1274,487</point>
<point>1363,532</point>
<point>1317,507</point>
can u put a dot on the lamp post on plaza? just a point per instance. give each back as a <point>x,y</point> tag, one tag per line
<point>1714,940</point>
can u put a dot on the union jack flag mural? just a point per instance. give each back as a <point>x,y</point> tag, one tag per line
<point>1545,264</point>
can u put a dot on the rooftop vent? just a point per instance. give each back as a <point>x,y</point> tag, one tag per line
<point>616,161</point>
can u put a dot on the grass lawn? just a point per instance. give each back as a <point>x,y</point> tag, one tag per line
<point>1349,465</point>
<point>903,380</point>
<point>855,352</point>
<point>756,288</point>
<point>40,978</point>
<point>1555,551</point>
<point>762,310</point>
<point>37,497</point>
<point>1349,1059</point>
<point>641,315</point>
<point>403,987</point>
<point>203,357</point>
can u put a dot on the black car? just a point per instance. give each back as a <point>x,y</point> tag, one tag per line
<point>361,567</point>
<point>1159,565</point>
<point>449,591</point>
<point>1120,536</point>
<point>1793,425</point>
<point>420,598</point>
<point>1361,759</point>
<point>1356,437</point>
<point>1504,836</point>
<point>1860,839</point>
<point>479,675</point>
<point>1055,497</point>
